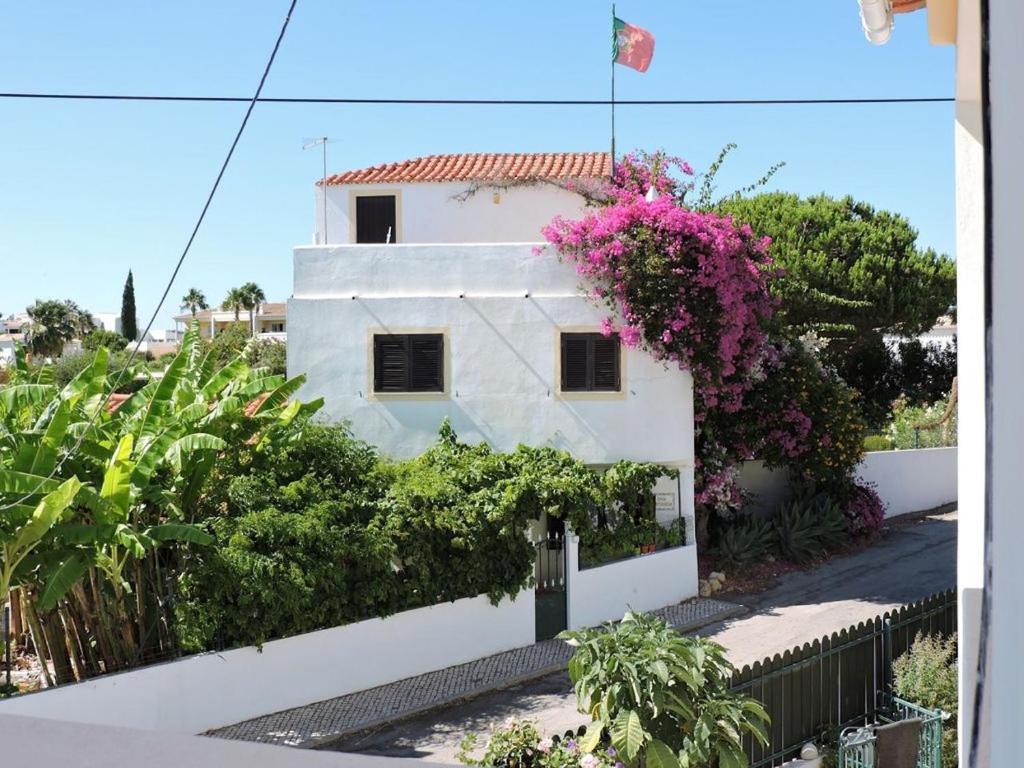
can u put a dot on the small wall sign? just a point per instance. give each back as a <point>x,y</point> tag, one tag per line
<point>665,500</point>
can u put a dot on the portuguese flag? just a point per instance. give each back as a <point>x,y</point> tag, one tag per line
<point>631,46</point>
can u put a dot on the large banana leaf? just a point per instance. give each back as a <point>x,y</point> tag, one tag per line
<point>63,578</point>
<point>183,447</point>
<point>179,532</point>
<point>46,515</point>
<point>280,395</point>
<point>117,487</point>
<point>18,397</point>
<point>45,458</point>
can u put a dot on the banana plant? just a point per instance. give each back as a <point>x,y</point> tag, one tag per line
<point>140,466</point>
<point>22,529</point>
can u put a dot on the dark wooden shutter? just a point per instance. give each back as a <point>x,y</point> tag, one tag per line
<point>590,363</point>
<point>426,355</point>
<point>408,362</point>
<point>605,363</point>
<point>574,362</point>
<point>375,215</point>
<point>390,364</point>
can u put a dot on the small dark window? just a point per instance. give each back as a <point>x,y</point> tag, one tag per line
<point>408,362</point>
<point>375,219</point>
<point>590,362</point>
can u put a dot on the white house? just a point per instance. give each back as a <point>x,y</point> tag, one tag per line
<point>269,322</point>
<point>432,303</point>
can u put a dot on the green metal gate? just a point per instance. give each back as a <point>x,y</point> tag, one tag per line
<point>550,597</point>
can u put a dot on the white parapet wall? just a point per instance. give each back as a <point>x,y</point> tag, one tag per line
<point>642,583</point>
<point>907,481</point>
<point>211,690</point>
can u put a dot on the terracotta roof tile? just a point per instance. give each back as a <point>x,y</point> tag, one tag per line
<point>906,6</point>
<point>483,167</point>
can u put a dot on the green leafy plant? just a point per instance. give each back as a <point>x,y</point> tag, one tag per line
<point>807,526</point>
<point>321,531</point>
<point>878,443</point>
<point>658,698</point>
<point>927,675</point>
<point>142,462</point>
<point>744,540</point>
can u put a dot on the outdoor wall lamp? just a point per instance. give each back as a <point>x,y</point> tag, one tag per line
<point>876,18</point>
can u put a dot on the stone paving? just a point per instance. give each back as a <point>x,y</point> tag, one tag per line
<point>328,720</point>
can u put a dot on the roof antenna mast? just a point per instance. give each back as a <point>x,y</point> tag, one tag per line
<point>321,141</point>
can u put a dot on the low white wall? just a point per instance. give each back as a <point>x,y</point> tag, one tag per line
<point>907,481</point>
<point>211,690</point>
<point>643,583</point>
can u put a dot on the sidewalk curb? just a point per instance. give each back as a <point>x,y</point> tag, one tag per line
<point>323,741</point>
<point>535,674</point>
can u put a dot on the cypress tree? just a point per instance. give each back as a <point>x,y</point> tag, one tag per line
<point>129,323</point>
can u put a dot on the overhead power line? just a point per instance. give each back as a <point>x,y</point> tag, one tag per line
<point>479,102</point>
<point>177,267</point>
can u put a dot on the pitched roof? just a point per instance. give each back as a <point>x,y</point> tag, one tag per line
<point>483,167</point>
<point>906,6</point>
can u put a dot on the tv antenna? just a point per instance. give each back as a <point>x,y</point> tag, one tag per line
<point>322,142</point>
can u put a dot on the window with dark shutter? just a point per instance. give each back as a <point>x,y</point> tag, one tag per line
<point>590,362</point>
<point>409,362</point>
<point>376,218</point>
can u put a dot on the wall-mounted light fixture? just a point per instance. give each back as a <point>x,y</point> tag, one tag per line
<point>876,18</point>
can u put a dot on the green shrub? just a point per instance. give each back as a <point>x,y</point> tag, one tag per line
<point>927,675</point>
<point>115,342</point>
<point>878,443</point>
<point>321,531</point>
<point>659,698</point>
<point>808,526</point>
<point>904,431</point>
<point>744,540</point>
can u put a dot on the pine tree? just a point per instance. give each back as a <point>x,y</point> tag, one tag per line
<point>129,323</point>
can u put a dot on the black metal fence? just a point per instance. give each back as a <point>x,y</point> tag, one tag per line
<point>836,681</point>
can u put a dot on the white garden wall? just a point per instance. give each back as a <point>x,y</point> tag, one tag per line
<point>907,481</point>
<point>642,583</point>
<point>211,690</point>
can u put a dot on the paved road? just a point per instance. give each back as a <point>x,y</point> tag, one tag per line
<point>911,562</point>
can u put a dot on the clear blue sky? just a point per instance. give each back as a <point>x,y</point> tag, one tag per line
<point>88,190</point>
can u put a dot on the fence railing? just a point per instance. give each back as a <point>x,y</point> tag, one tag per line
<point>837,681</point>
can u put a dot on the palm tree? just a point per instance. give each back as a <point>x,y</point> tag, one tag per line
<point>254,296</point>
<point>235,300</point>
<point>193,301</point>
<point>54,323</point>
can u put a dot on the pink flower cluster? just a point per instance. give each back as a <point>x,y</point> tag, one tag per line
<point>865,511</point>
<point>689,286</point>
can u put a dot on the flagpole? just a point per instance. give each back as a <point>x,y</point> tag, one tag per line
<point>614,53</point>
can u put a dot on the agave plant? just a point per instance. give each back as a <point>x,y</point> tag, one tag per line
<point>95,581</point>
<point>745,540</point>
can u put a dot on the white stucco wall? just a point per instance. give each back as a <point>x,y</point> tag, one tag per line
<point>1003,706</point>
<point>642,583</point>
<point>907,481</point>
<point>211,690</point>
<point>502,347</point>
<point>970,273</point>
<point>427,212</point>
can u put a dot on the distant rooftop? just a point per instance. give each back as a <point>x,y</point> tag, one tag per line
<point>483,167</point>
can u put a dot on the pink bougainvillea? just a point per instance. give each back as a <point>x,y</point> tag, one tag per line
<point>865,511</point>
<point>688,286</point>
<point>692,288</point>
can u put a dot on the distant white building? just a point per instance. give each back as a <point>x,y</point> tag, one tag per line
<point>269,321</point>
<point>431,303</point>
